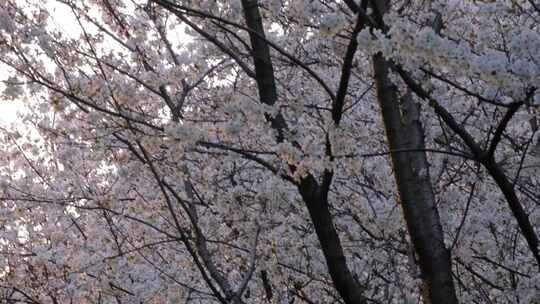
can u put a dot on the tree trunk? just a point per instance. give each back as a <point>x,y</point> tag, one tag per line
<point>316,199</point>
<point>411,170</point>
<point>315,195</point>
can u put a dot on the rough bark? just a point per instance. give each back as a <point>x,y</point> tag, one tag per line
<point>411,170</point>
<point>487,159</point>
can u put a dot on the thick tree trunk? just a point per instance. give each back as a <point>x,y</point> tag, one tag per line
<point>411,170</point>
<point>487,159</point>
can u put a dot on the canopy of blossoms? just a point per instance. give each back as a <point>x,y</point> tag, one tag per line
<point>270,151</point>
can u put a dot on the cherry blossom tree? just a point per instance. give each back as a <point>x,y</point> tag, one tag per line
<point>270,151</point>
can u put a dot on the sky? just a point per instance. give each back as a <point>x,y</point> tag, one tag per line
<point>63,20</point>
<point>8,110</point>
